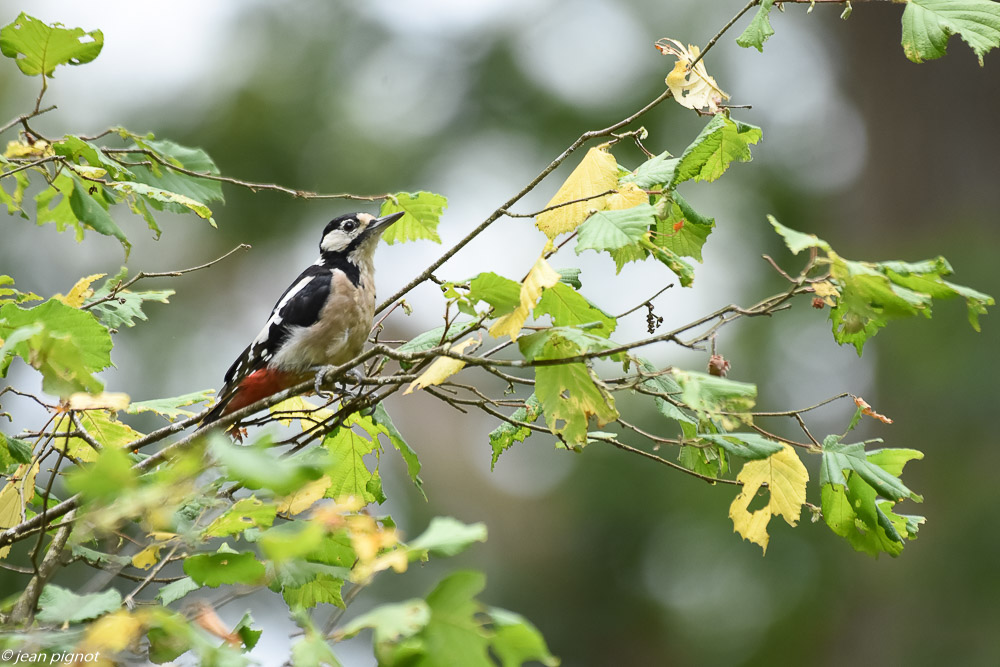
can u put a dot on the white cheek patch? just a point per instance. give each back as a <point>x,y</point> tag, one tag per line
<point>335,241</point>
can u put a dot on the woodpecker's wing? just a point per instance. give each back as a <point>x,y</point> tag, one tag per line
<point>299,306</point>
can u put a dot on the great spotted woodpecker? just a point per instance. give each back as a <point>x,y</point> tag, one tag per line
<point>322,319</point>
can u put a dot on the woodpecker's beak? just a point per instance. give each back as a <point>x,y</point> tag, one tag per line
<point>379,225</point>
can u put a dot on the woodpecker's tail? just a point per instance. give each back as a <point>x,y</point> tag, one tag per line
<point>258,385</point>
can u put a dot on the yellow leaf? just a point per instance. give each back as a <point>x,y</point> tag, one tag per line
<point>16,148</point>
<point>104,400</point>
<point>541,276</point>
<point>597,173</point>
<point>299,408</point>
<point>827,291</point>
<point>101,426</point>
<point>14,496</point>
<point>627,196</point>
<point>785,478</point>
<point>148,557</point>
<point>305,497</point>
<point>80,292</point>
<point>692,87</point>
<point>443,367</point>
<point>114,632</point>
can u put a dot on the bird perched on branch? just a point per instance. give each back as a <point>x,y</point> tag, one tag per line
<point>322,319</point>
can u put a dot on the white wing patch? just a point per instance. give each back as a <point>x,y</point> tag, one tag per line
<point>275,319</point>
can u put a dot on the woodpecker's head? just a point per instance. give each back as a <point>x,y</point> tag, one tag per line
<point>355,235</point>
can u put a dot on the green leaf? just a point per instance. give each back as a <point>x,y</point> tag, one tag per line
<point>422,214</point>
<point>349,474</point>
<point>245,513</point>
<point>722,142</point>
<point>99,558</point>
<point>13,450</point>
<point>106,478</point>
<point>291,540</point>
<point>503,294</point>
<point>381,422</point>
<point>516,641</point>
<point>171,408</point>
<point>39,48</point>
<point>93,212</point>
<point>126,306</point>
<point>562,342</point>
<point>100,425</point>
<point>14,200</point>
<point>85,153</point>
<point>224,567</point>
<point>256,468</point>
<point>324,589</point>
<point>759,29</point>
<point>655,171</point>
<point>928,24</point>
<point>313,651</point>
<point>746,445</point>
<point>797,241</point>
<point>203,190</point>
<point>568,392</point>
<point>65,344</point>
<point>567,307</point>
<point>432,338</point>
<point>446,537</point>
<point>247,634</point>
<point>683,231</point>
<point>712,396</point>
<point>683,270</point>
<point>504,436</point>
<point>176,590</point>
<point>612,230</point>
<point>870,295</point>
<point>164,197</point>
<point>53,205</point>
<point>850,501</point>
<point>454,637</point>
<point>391,623</point>
<point>59,605</point>
<point>838,458</point>
<point>170,635</point>
<point>570,276</point>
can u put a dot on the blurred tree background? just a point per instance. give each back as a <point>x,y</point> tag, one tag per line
<point>617,561</point>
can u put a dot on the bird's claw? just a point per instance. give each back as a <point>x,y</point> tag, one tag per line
<point>340,384</point>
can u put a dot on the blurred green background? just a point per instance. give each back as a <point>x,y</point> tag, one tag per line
<point>618,561</point>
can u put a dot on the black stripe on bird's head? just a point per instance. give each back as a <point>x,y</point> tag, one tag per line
<point>349,233</point>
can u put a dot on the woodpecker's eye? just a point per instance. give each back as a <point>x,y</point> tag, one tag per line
<point>349,226</point>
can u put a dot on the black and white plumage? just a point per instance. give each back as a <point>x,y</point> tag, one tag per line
<point>322,319</point>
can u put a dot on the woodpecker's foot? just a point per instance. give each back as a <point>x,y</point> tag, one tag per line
<point>340,384</point>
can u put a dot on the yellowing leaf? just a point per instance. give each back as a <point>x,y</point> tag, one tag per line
<point>305,497</point>
<point>101,425</point>
<point>692,87</point>
<point>16,148</point>
<point>540,277</point>
<point>628,195</point>
<point>114,632</point>
<point>299,408</point>
<point>104,400</point>
<point>443,367</point>
<point>14,496</point>
<point>597,173</point>
<point>785,478</point>
<point>826,291</point>
<point>148,557</point>
<point>80,292</point>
